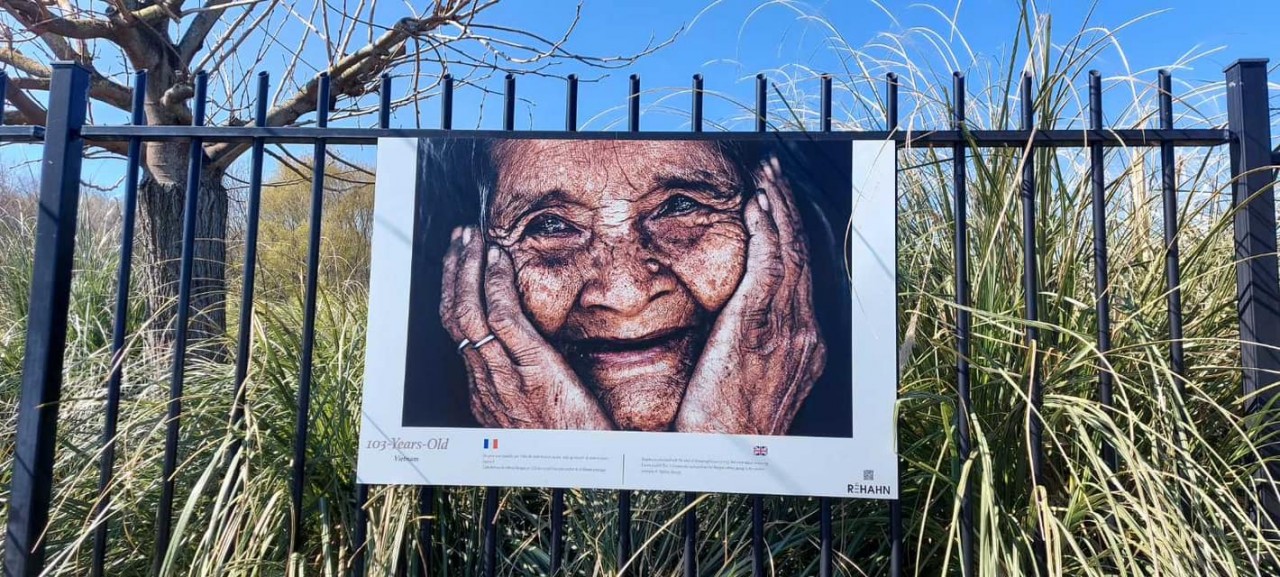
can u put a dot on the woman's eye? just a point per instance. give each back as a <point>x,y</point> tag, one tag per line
<point>678,205</point>
<point>549,225</point>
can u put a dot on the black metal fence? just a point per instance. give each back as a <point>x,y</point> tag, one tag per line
<point>65,135</point>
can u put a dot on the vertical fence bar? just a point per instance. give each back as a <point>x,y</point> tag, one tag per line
<point>1101,284</point>
<point>446,123</point>
<point>490,531</point>
<point>825,563</point>
<point>695,119</point>
<point>176,380</point>
<point>509,103</point>
<point>1257,282</point>
<point>557,530</point>
<point>297,533</point>
<point>384,101</point>
<point>825,109</point>
<point>427,494</point>
<point>1173,276</point>
<point>446,103</point>
<point>491,493</point>
<point>959,175</point>
<point>690,564</point>
<point>358,562</point>
<point>245,334</point>
<point>557,495</point>
<point>891,100</point>
<point>119,330</point>
<point>1168,178</point>
<point>244,337</point>
<point>757,501</point>
<point>895,506</point>
<point>1031,291</point>
<point>633,104</point>
<point>571,104</point>
<point>46,337</point>
<point>690,557</point>
<point>624,496</point>
<point>762,103</point>
<point>825,534</point>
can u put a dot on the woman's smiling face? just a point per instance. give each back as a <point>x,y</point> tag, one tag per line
<point>624,252</point>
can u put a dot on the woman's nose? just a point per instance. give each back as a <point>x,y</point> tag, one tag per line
<point>625,280</point>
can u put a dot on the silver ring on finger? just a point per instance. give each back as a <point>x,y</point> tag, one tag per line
<point>464,344</point>
<point>485,340</point>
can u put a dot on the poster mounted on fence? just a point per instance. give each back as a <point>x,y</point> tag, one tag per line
<point>712,312</point>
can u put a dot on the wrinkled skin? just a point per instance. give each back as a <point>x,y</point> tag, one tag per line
<point>633,285</point>
<point>765,350</point>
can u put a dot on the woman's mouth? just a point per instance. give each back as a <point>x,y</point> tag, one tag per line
<point>620,353</point>
<point>640,381</point>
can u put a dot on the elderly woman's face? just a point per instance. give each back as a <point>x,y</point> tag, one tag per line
<point>624,253</point>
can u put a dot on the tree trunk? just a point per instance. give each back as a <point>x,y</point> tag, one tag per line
<point>162,193</point>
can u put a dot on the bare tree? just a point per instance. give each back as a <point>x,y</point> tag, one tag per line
<point>231,38</point>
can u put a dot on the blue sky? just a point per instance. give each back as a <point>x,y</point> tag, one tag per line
<point>730,41</point>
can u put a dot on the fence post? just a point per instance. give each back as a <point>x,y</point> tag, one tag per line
<point>1257,283</point>
<point>46,322</point>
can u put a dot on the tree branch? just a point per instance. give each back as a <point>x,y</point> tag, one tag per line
<point>27,112</point>
<point>32,112</point>
<point>200,27</point>
<point>100,89</point>
<point>348,76</point>
<point>37,18</point>
<point>23,63</point>
<point>16,118</point>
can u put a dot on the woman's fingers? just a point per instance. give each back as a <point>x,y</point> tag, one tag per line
<point>481,309</point>
<point>764,271</point>
<point>494,375</point>
<point>473,318</point>
<point>468,306</point>
<point>505,316</point>
<point>795,289</point>
<point>448,286</point>
<point>453,316</point>
<point>545,376</point>
<point>785,215</point>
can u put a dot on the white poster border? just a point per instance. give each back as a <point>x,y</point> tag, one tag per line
<point>863,466</point>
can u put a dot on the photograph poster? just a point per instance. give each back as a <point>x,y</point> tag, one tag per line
<point>713,313</point>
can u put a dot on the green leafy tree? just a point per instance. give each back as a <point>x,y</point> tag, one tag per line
<point>284,228</point>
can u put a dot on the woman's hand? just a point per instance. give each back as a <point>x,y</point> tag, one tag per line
<point>765,350</point>
<point>517,380</point>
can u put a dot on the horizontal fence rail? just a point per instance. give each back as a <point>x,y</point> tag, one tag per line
<point>939,138</point>
<point>1258,284</point>
<point>21,133</point>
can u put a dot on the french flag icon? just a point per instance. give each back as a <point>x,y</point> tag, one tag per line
<point>491,444</point>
